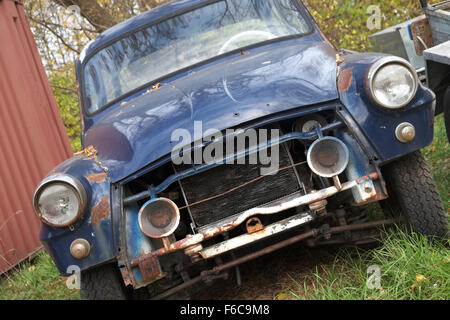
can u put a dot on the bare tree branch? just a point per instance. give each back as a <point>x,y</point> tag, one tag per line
<point>70,90</point>
<point>41,23</point>
<point>98,16</point>
<point>145,5</point>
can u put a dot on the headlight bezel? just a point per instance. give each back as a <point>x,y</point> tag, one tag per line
<point>72,183</point>
<point>376,67</point>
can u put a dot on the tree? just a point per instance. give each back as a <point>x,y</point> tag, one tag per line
<point>61,29</point>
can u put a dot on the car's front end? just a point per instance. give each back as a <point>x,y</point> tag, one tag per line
<point>281,140</point>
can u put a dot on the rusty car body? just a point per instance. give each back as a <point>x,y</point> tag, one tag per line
<point>123,204</point>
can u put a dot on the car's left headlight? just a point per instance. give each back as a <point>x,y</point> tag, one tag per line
<point>392,82</point>
<point>59,200</point>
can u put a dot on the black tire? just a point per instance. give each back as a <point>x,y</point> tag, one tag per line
<point>414,196</point>
<point>447,112</point>
<point>103,283</point>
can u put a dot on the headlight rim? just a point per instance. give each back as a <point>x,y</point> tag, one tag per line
<point>372,72</point>
<point>71,182</point>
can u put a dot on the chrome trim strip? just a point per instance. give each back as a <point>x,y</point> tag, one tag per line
<point>293,201</point>
<point>270,230</point>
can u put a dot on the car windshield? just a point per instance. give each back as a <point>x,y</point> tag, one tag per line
<point>147,55</point>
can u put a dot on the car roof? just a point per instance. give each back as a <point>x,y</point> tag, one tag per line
<point>141,20</point>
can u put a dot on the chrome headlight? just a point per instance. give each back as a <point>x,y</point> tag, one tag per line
<point>59,200</point>
<point>392,82</point>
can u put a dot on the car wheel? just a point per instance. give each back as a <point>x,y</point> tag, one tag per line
<point>103,283</point>
<point>447,112</point>
<point>414,197</point>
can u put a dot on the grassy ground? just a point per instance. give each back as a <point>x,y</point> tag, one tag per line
<point>36,280</point>
<point>410,268</point>
<point>438,158</point>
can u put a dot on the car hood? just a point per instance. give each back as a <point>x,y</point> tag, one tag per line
<point>222,95</point>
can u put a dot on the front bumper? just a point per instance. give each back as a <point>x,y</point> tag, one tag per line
<point>193,244</point>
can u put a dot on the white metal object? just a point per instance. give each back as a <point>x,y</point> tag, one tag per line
<point>439,17</point>
<point>405,132</point>
<point>159,218</point>
<point>80,248</point>
<point>278,206</point>
<point>270,230</point>
<point>244,34</point>
<point>328,157</point>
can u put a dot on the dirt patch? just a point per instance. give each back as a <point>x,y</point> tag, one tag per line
<point>267,277</point>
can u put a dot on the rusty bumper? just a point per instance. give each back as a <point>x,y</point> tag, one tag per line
<point>192,244</point>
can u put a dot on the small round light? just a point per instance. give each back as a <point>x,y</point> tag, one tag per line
<point>392,83</point>
<point>159,218</point>
<point>80,248</point>
<point>328,157</point>
<point>405,132</point>
<point>59,200</point>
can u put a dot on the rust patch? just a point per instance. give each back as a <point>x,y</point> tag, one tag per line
<point>421,34</point>
<point>372,176</point>
<point>150,269</point>
<point>88,152</point>
<point>379,196</point>
<point>97,177</point>
<point>100,212</point>
<point>127,276</point>
<point>91,153</point>
<point>339,59</point>
<point>340,62</point>
<point>154,88</point>
<point>345,79</point>
<point>254,225</point>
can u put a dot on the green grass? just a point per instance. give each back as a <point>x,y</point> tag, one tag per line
<point>36,280</point>
<point>438,158</point>
<point>411,268</point>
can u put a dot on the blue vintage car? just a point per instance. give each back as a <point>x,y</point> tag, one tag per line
<point>217,131</point>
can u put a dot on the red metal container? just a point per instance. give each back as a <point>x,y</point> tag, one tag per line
<point>32,136</point>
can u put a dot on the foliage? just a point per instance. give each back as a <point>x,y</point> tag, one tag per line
<point>438,158</point>
<point>67,100</point>
<point>37,280</point>
<point>60,37</point>
<point>61,34</point>
<point>411,268</point>
<point>345,22</point>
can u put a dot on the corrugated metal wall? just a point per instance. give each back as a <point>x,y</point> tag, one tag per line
<point>32,136</point>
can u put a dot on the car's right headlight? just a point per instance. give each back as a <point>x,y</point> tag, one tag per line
<point>59,200</point>
<point>392,82</point>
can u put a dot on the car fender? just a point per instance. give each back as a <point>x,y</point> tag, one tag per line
<point>95,225</point>
<point>375,124</point>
